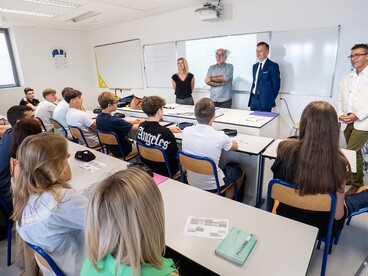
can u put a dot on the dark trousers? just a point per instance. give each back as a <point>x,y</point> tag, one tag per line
<point>226,104</point>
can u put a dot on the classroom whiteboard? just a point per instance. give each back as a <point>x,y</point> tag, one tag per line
<point>160,64</point>
<point>119,65</point>
<point>307,59</point>
<point>160,59</point>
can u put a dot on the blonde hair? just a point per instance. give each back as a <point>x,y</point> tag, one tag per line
<point>41,162</point>
<point>186,67</point>
<point>125,218</point>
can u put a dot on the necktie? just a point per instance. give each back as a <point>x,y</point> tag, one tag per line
<point>259,75</point>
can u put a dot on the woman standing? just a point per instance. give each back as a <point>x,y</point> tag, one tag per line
<point>183,83</point>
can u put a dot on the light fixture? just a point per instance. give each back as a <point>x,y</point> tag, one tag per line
<point>85,16</point>
<point>20,12</point>
<point>55,3</point>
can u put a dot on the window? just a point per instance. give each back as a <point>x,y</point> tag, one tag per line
<point>8,72</point>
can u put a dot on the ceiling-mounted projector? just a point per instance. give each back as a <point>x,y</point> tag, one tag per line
<point>208,12</point>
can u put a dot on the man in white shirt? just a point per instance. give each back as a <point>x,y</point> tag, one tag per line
<point>60,112</point>
<point>352,109</point>
<point>76,117</point>
<point>46,108</point>
<point>203,140</point>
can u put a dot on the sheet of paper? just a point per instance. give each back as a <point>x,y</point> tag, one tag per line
<point>212,228</point>
<point>158,178</point>
<point>92,166</point>
<point>254,118</point>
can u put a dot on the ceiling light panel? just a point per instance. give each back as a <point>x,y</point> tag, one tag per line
<point>54,3</point>
<point>30,13</point>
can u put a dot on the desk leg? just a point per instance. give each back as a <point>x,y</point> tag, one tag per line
<point>364,264</point>
<point>260,200</point>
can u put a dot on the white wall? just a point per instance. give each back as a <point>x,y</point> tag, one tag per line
<point>245,17</point>
<point>33,47</point>
<point>240,16</point>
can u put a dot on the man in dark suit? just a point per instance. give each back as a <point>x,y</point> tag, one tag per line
<point>266,81</point>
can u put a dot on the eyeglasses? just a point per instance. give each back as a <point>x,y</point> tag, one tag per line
<point>220,55</point>
<point>356,55</point>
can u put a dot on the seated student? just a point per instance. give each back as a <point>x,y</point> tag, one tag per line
<point>106,122</point>
<point>29,99</point>
<point>125,227</point>
<point>21,130</point>
<point>60,113</point>
<point>14,114</point>
<point>46,108</point>
<point>48,212</point>
<point>152,133</point>
<point>202,139</point>
<point>24,258</point>
<point>315,164</point>
<point>77,117</point>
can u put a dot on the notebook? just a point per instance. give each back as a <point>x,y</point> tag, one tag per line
<point>237,245</point>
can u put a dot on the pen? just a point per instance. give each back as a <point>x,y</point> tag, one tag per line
<point>244,243</point>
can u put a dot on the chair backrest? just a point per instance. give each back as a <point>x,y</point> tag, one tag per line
<point>57,125</point>
<point>42,125</point>
<point>286,193</point>
<point>110,138</point>
<point>78,134</point>
<point>155,154</point>
<point>198,164</point>
<point>45,259</point>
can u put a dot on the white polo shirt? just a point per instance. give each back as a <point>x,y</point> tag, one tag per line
<point>205,141</point>
<point>44,111</point>
<point>75,117</point>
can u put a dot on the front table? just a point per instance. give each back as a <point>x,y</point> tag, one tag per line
<point>284,246</point>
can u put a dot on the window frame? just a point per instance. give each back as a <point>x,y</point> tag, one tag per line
<point>12,61</point>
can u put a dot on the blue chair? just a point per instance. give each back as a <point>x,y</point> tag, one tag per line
<point>156,154</point>
<point>110,138</point>
<point>42,125</point>
<point>284,192</point>
<point>9,224</point>
<point>45,259</point>
<point>202,165</point>
<point>57,125</point>
<point>78,135</point>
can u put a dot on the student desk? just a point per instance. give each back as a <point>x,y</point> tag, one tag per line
<point>241,120</point>
<point>83,179</point>
<point>284,246</point>
<point>254,147</point>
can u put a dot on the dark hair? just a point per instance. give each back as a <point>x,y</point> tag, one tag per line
<point>152,104</point>
<point>71,94</point>
<point>27,89</point>
<point>48,91</point>
<point>65,90</point>
<point>360,46</point>
<point>262,43</point>
<point>22,130</point>
<point>320,166</point>
<point>204,110</point>
<point>16,113</point>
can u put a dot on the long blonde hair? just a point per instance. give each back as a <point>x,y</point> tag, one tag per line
<point>125,218</point>
<point>41,162</point>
